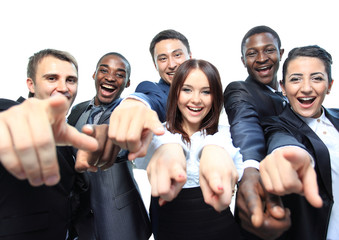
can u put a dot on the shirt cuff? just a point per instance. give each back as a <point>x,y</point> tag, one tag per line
<point>137,98</point>
<point>251,163</point>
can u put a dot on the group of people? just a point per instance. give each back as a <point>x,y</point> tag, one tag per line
<point>73,179</point>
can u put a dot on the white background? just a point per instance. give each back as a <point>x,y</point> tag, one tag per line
<point>214,28</point>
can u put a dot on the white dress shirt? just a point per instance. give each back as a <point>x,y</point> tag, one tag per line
<point>330,137</point>
<point>193,151</point>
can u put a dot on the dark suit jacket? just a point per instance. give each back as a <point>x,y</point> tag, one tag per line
<point>119,212</point>
<point>246,103</point>
<point>288,129</point>
<point>43,212</point>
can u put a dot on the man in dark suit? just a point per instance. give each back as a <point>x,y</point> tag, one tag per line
<point>115,202</point>
<point>29,133</point>
<point>303,125</point>
<point>246,104</point>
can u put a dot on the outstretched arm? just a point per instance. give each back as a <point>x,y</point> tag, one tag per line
<point>132,125</point>
<point>218,177</point>
<point>289,170</point>
<point>167,172</point>
<point>29,133</point>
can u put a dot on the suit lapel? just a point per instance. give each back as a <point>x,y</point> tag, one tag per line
<point>76,113</point>
<point>322,156</point>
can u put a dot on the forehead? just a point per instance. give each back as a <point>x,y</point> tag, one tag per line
<point>260,40</point>
<point>197,78</point>
<point>113,61</point>
<point>306,64</point>
<point>53,65</point>
<point>168,46</point>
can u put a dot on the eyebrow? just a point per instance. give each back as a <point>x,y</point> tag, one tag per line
<point>300,74</point>
<point>174,51</point>
<point>119,69</point>
<point>55,75</point>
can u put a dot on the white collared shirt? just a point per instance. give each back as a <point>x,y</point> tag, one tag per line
<point>193,151</point>
<point>330,137</point>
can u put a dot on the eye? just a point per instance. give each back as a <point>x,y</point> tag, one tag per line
<point>251,54</point>
<point>162,59</point>
<point>103,70</point>
<point>270,50</point>
<point>318,78</point>
<point>206,92</point>
<point>178,54</point>
<point>295,79</point>
<point>119,75</point>
<point>185,89</point>
<point>72,80</point>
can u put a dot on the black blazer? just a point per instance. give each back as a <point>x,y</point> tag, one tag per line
<point>288,129</point>
<point>246,104</point>
<point>43,212</point>
<point>117,203</point>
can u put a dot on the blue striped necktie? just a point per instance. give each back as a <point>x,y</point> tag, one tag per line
<point>94,111</point>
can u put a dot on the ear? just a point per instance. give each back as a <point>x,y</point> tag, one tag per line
<point>94,75</point>
<point>282,86</point>
<point>330,87</point>
<point>243,61</point>
<point>30,85</point>
<point>128,83</point>
<point>281,53</point>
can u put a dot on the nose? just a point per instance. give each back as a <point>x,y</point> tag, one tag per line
<point>110,77</point>
<point>306,86</point>
<point>172,63</point>
<point>62,86</point>
<point>196,98</point>
<point>262,56</point>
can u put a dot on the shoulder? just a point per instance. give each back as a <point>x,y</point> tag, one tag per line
<point>6,103</point>
<point>80,105</point>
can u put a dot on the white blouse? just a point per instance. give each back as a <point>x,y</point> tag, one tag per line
<point>193,151</point>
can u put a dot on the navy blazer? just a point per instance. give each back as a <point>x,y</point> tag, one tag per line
<point>246,104</point>
<point>119,211</point>
<point>36,213</point>
<point>288,129</point>
<point>156,95</point>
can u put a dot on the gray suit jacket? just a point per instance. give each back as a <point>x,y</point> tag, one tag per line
<point>115,201</point>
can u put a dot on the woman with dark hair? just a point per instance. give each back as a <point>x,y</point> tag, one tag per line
<point>303,163</point>
<point>194,191</point>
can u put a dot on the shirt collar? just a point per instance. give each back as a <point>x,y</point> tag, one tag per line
<point>313,122</point>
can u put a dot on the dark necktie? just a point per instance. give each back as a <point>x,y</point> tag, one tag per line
<point>94,111</point>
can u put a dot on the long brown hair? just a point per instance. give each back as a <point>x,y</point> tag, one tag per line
<point>174,117</point>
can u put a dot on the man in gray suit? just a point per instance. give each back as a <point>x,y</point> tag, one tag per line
<point>116,207</point>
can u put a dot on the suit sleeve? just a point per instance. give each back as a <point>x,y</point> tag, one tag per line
<point>279,134</point>
<point>246,131</point>
<point>154,96</point>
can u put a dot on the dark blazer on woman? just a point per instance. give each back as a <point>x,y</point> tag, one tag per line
<point>288,129</point>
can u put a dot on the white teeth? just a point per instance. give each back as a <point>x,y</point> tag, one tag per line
<point>107,86</point>
<point>264,68</point>
<point>194,109</point>
<point>306,99</point>
<point>170,73</point>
